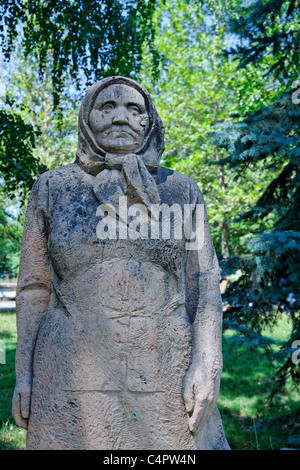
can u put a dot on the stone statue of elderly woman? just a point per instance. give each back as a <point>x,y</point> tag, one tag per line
<point>119,331</point>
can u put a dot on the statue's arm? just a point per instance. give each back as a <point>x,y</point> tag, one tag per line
<point>33,294</point>
<point>202,381</point>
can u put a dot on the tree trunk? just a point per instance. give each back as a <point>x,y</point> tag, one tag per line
<point>224,239</point>
<point>224,229</point>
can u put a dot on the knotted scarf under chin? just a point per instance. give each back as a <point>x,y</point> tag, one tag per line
<point>126,176</point>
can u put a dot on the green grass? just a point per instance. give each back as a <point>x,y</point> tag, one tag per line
<point>12,280</point>
<point>11,437</point>
<point>250,422</point>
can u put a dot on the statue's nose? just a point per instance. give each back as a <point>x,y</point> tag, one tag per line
<point>121,116</point>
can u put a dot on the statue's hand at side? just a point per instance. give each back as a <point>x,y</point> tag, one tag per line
<point>21,402</point>
<point>200,396</point>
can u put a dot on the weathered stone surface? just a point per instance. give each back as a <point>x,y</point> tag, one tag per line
<point>119,337</point>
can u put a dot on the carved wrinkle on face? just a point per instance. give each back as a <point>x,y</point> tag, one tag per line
<point>119,119</point>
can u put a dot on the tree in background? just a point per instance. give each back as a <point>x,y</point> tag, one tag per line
<point>268,29</point>
<point>99,38</point>
<point>11,227</point>
<point>18,166</point>
<point>197,87</point>
<point>270,137</point>
<point>55,133</point>
<point>91,37</point>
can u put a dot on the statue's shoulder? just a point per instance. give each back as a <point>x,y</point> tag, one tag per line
<point>164,173</point>
<point>174,180</point>
<point>57,175</point>
<point>59,172</point>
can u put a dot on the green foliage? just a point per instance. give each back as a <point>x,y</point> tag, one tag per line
<point>250,421</point>
<point>197,88</point>
<point>18,166</point>
<point>9,245</point>
<point>11,228</point>
<point>101,38</point>
<point>270,137</point>
<point>55,131</point>
<point>11,437</point>
<point>268,29</point>
<point>272,130</point>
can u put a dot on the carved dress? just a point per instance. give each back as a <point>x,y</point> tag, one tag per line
<point>115,342</point>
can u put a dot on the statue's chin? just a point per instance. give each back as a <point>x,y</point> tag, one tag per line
<point>120,152</point>
<point>120,149</point>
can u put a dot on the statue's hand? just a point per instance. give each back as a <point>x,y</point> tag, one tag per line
<point>200,396</point>
<point>21,402</point>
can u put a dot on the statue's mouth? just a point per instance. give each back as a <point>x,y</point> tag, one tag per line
<point>119,133</point>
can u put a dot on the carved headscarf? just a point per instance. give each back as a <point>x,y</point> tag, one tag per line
<point>117,175</point>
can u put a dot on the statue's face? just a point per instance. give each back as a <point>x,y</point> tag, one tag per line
<point>119,119</point>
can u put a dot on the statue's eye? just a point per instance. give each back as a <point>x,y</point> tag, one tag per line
<point>135,110</point>
<point>107,108</point>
